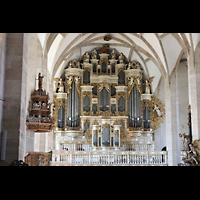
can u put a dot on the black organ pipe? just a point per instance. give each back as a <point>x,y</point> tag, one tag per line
<point>134,108</point>
<point>73,112</point>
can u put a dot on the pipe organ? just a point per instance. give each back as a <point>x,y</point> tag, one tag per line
<point>105,102</point>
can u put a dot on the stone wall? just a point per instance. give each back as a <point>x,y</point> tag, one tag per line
<point>2,76</point>
<point>177,110</point>
<point>13,94</point>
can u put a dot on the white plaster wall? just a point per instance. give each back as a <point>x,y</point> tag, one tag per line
<point>183,103</point>
<point>159,135</point>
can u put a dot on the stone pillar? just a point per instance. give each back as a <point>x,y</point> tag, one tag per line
<point>2,76</point>
<point>171,126</point>
<point>30,61</point>
<point>193,96</point>
<point>14,95</point>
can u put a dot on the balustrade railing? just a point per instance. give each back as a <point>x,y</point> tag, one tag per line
<point>108,158</point>
<point>140,146</point>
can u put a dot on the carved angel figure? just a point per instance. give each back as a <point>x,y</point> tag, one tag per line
<point>86,57</point>
<point>113,54</point>
<point>61,86</point>
<point>147,87</point>
<point>70,65</point>
<point>76,64</point>
<point>69,79</point>
<point>139,80</point>
<point>77,78</point>
<point>130,65</point>
<point>137,65</point>
<point>157,110</point>
<point>131,80</point>
<point>94,54</point>
<point>121,58</point>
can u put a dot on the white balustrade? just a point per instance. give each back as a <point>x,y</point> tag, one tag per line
<point>137,146</point>
<point>92,158</point>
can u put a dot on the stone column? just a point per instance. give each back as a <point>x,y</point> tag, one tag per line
<point>14,95</point>
<point>2,75</point>
<point>193,96</point>
<point>171,126</point>
<point>30,61</point>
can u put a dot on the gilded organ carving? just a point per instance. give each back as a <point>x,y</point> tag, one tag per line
<point>102,88</point>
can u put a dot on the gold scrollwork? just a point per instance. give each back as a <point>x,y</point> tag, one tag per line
<point>123,136</point>
<point>88,136</point>
<point>103,84</point>
<point>68,83</point>
<point>77,80</point>
<point>146,102</point>
<point>88,93</point>
<point>134,80</point>
<point>158,112</point>
<point>121,94</point>
<point>57,103</point>
<point>106,125</point>
<point>105,114</point>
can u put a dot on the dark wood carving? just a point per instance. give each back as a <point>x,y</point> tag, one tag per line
<point>39,119</point>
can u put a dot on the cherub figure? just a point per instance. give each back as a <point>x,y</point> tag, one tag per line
<point>86,57</point>
<point>121,58</point>
<point>94,54</point>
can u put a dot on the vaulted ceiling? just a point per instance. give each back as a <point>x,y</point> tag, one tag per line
<point>158,53</point>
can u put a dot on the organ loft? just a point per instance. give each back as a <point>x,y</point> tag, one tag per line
<point>103,104</point>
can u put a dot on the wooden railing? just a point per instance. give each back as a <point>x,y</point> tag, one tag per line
<point>37,159</point>
<point>109,158</point>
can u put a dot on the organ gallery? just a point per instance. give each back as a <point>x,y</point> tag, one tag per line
<point>104,103</point>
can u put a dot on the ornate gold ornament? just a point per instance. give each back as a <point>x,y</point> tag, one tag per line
<point>123,136</point>
<point>57,104</point>
<point>77,80</point>
<point>88,136</point>
<point>68,83</point>
<point>134,80</point>
<point>158,112</point>
<point>106,125</point>
<point>103,84</point>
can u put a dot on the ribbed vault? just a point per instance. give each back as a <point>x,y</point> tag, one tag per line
<point>158,53</point>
